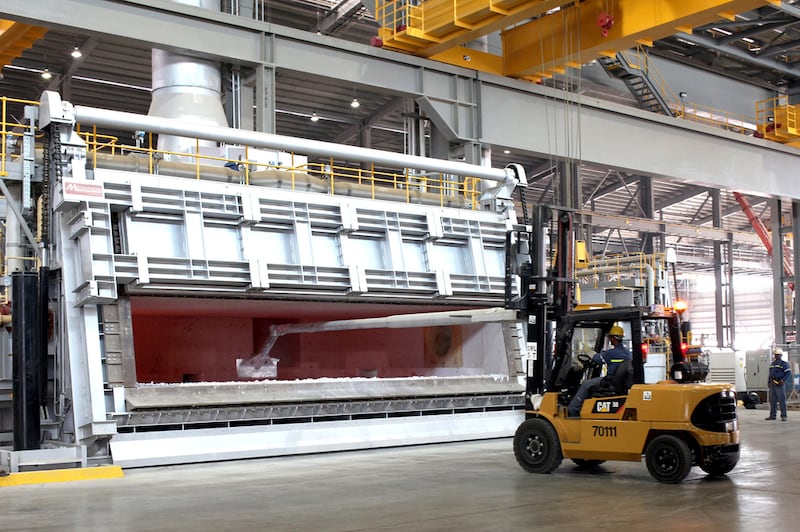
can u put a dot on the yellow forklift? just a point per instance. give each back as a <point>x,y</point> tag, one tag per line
<point>674,424</point>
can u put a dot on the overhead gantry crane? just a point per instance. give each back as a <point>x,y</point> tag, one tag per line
<point>540,37</point>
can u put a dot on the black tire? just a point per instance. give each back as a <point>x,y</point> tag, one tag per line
<point>722,465</point>
<point>587,464</point>
<point>536,446</point>
<point>669,459</point>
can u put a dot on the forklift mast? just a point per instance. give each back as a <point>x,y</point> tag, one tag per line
<point>541,290</point>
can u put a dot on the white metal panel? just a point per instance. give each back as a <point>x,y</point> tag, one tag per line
<point>174,447</point>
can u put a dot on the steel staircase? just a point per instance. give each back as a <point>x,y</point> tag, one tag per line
<point>638,82</point>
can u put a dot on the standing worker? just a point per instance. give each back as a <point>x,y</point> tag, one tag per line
<point>778,373</point>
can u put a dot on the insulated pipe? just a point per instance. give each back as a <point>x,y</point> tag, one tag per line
<point>135,122</point>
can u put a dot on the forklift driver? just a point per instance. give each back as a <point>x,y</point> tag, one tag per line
<point>613,357</point>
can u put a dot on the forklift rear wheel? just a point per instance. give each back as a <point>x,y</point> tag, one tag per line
<point>669,459</point>
<point>536,446</point>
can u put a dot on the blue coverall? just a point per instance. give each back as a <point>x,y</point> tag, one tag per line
<point>613,357</point>
<point>778,373</point>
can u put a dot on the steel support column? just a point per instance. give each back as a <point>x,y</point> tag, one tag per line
<point>723,279</point>
<point>265,100</point>
<point>796,260</point>
<point>646,204</point>
<point>783,307</point>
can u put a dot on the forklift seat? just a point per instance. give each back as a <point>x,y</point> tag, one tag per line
<point>617,384</point>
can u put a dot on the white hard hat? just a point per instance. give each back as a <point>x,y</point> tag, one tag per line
<point>777,351</point>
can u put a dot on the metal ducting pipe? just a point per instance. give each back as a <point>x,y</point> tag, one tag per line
<point>187,88</point>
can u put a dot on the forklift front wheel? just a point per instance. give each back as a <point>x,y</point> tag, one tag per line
<point>536,446</point>
<point>669,459</point>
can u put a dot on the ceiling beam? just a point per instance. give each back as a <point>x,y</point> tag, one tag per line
<point>688,192</point>
<point>729,23</point>
<point>628,223</point>
<point>778,48</point>
<point>728,211</point>
<point>86,49</point>
<point>761,26</point>
<point>337,16</point>
<point>623,181</point>
<point>354,129</point>
<point>737,53</point>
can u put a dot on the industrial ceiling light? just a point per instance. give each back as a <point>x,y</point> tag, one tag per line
<point>355,104</point>
<point>314,117</point>
<point>46,73</point>
<point>76,52</point>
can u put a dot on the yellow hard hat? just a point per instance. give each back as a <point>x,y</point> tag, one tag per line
<point>617,331</point>
<point>777,351</point>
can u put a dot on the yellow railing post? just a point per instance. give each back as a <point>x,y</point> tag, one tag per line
<point>330,174</point>
<point>3,139</point>
<point>247,165</point>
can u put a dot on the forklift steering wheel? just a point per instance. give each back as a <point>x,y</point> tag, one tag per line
<point>587,361</point>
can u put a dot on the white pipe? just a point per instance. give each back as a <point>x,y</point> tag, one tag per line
<point>135,122</point>
<point>651,284</point>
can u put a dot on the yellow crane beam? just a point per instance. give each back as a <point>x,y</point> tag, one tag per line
<point>15,38</point>
<point>573,35</point>
<point>540,37</point>
<point>435,26</point>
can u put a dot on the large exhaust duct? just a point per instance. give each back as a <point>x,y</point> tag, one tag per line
<point>187,88</point>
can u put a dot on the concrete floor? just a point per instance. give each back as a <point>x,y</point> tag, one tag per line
<point>462,486</point>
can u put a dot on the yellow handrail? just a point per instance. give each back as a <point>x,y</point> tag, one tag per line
<point>340,177</point>
<point>682,109</point>
<point>5,132</point>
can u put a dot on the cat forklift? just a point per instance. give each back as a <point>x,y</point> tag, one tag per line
<point>674,423</point>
